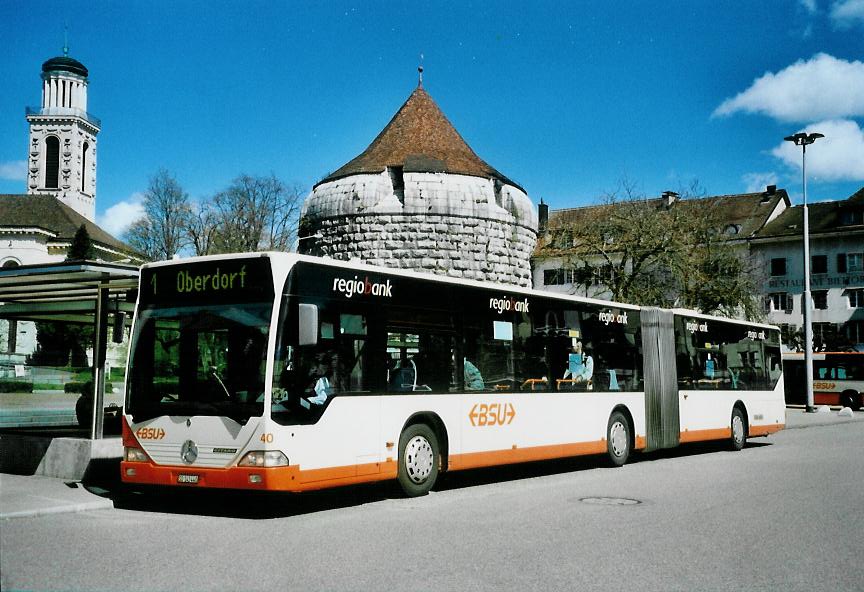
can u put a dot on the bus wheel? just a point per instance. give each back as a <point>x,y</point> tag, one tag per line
<point>618,439</point>
<point>739,430</point>
<point>418,460</point>
<point>851,399</point>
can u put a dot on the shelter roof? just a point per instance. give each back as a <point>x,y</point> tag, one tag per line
<point>419,138</point>
<point>64,291</point>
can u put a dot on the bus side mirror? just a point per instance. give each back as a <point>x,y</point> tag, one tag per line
<point>308,325</point>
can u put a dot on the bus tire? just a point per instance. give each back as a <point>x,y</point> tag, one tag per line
<point>618,439</point>
<point>739,429</point>
<point>851,399</point>
<point>419,460</point>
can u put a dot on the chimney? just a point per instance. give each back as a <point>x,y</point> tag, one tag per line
<point>542,216</point>
<point>769,191</point>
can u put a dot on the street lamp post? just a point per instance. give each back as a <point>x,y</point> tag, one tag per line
<point>803,139</point>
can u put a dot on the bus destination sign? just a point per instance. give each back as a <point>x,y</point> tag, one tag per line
<point>223,280</point>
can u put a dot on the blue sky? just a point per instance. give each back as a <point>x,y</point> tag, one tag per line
<point>566,98</point>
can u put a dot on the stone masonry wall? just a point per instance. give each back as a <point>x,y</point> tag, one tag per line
<point>454,225</point>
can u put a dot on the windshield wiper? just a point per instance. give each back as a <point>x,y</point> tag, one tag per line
<point>215,375</point>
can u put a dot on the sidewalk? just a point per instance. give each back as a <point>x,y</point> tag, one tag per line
<point>34,495</point>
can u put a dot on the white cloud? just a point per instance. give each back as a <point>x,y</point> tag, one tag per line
<point>119,217</point>
<point>809,5</point>
<point>847,13</point>
<point>14,170</point>
<point>757,182</point>
<point>823,87</point>
<point>839,156</point>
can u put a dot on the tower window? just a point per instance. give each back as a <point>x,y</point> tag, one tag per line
<point>398,181</point>
<point>52,162</point>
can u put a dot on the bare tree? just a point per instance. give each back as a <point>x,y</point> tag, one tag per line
<point>202,228</point>
<point>255,213</point>
<point>162,232</point>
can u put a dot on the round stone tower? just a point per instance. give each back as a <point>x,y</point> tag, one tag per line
<point>419,198</point>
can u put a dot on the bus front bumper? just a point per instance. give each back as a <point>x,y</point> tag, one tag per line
<point>253,478</point>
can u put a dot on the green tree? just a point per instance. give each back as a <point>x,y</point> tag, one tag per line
<point>82,246</point>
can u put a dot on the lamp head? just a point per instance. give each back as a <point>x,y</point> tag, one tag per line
<point>804,139</point>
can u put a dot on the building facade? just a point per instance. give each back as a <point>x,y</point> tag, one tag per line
<point>556,264</point>
<point>836,272</point>
<point>768,231</point>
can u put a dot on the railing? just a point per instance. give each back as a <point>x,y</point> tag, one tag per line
<point>64,112</point>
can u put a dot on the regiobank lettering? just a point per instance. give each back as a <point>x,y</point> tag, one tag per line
<point>364,287</point>
<point>502,305</point>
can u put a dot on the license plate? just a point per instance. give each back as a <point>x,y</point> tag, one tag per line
<point>187,479</point>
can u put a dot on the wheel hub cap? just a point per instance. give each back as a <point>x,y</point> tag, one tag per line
<point>418,459</point>
<point>737,428</point>
<point>618,439</point>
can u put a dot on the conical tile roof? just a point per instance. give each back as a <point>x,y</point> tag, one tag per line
<point>419,138</point>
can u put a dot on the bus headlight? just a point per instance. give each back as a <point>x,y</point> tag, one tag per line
<point>264,458</point>
<point>132,454</point>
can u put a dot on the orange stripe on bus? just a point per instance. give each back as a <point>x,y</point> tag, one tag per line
<point>474,460</point>
<point>724,433</point>
<point>295,479</point>
<point>764,430</point>
<point>702,435</point>
<point>271,479</point>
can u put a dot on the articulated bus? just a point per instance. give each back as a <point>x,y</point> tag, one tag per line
<point>838,378</point>
<point>276,371</point>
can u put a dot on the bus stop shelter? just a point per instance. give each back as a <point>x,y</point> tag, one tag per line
<point>86,292</point>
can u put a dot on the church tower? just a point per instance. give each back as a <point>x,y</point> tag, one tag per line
<point>61,159</point>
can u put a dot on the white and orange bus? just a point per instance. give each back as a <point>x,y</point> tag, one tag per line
<point>838,378</point>
<point>276,371</point>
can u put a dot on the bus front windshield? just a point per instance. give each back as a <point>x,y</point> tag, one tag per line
<point>199,360</point>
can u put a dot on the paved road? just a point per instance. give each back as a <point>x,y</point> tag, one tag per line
<point>785,513</point>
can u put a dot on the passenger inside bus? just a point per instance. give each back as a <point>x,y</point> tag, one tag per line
<point>403,376</point>
<point>322,377</point>
<point>472,376</point>
<point>580,368</point>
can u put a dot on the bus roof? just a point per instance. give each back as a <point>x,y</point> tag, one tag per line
<point>292,258</point>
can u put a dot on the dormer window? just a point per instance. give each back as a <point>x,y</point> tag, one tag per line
<point>732,229</point>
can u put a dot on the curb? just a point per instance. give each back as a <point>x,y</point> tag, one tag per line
<point>79,507</point>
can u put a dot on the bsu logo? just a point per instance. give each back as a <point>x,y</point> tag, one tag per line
<point>492,414</point>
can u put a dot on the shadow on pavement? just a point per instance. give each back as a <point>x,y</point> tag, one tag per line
<point>103,479</point>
